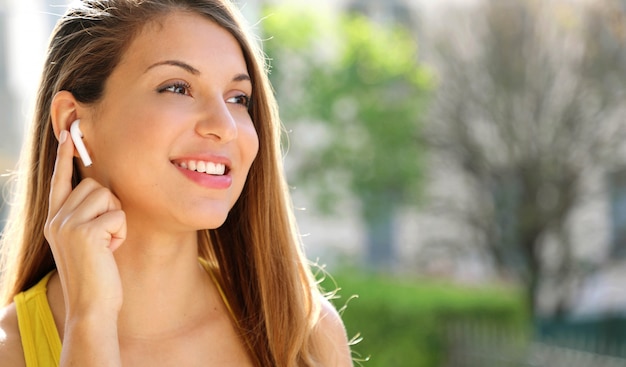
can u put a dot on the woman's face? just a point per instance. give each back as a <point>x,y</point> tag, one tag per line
<point>172,136</point>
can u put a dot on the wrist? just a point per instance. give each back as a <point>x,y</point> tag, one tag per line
<point>91,339</point>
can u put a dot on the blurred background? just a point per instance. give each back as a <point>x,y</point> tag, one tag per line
<point>458,167</point>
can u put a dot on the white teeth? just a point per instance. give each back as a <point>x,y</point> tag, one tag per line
<point>219,169</point>
<point>209,168</point>
<point>212,167</point>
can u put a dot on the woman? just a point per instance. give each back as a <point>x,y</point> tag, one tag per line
<point>177,247</point>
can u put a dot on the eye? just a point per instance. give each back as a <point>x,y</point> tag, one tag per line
<point>241,99</point>
<point>176,88</point>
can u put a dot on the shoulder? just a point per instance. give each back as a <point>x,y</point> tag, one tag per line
<point>334,343</point>
<point>10,341</point>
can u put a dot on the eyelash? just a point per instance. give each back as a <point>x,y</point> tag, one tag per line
<point>242,99</point>
<point>172,88</point>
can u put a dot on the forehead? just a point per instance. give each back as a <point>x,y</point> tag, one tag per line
<point>191,37</point>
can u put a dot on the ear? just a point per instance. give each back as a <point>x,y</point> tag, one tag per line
<point>63,111</point>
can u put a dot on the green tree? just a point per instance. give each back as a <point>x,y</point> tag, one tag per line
<point>359,92</point>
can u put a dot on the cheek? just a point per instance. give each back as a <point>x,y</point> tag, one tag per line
<point>254,149</point>
<point>131,131</point>
<point>124,154</point>
<point>121,148</point>
<point>250,143</point>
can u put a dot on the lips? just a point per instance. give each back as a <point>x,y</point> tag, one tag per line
<point>212,172</point>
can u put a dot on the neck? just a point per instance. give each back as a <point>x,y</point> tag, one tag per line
<point>165,287</point>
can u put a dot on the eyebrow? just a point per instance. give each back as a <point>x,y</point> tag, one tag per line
<point>178,63</point>
<point>242,78</point>
<point>190,69</point>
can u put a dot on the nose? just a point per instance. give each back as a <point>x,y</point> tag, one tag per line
<point>217,122</point>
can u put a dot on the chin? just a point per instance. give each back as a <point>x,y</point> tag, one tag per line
<point>212,226</point>
<point>213,222</point>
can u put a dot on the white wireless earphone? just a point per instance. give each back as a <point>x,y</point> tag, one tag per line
<point>77,138</point>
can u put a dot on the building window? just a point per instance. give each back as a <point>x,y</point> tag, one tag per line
<point>617,195</point>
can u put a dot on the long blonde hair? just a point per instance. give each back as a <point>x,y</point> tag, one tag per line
<point>262,270</point>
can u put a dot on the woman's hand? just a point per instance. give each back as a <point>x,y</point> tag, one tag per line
<point>84,227</point>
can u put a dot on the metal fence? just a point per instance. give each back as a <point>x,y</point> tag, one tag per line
<point>480,346</point>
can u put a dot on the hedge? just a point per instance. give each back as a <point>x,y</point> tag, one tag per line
<point>402,322</point>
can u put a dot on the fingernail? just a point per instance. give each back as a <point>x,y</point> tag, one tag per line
<point>63,136</point>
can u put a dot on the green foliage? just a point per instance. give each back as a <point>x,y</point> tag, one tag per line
<point>364,88</point>
<point>402,321</point>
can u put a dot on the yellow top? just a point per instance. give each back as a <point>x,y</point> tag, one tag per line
<point>40,337</point>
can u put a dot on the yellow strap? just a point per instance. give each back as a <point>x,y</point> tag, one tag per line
<point>40,339</point>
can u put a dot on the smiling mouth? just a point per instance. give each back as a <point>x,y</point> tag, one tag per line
<point>210,168</point>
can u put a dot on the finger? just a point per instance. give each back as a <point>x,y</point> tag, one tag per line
<point>88,201</point>
<point>114,224</point>
<point>61,182</point>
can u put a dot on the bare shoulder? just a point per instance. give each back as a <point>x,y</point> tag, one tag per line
<point>11,353</point>
<point>334,346</point>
